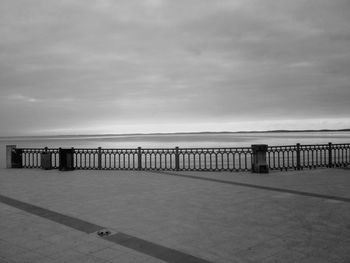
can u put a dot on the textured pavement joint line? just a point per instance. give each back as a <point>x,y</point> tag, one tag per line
<point>154,250</point>
<point>269,188</point>
<point>137,244</point>
<point>69,221</point>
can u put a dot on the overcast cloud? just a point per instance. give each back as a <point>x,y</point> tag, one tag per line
<point>164,66</point>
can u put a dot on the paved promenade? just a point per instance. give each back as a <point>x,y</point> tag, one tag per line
<point>201,217</point>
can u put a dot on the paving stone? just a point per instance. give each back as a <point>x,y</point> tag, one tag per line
<point>8,250</point>
<point>286,256</point>
<point>89,247</point>
<point>67,255</point>
<point>87,259</point>
<point>108,253</point>
<point>29,257</point>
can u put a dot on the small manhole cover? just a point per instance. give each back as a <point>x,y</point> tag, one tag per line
<point>103,233</point>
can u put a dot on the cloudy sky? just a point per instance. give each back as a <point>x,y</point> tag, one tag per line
<point>114,66</point>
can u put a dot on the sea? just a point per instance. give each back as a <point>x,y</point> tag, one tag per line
<point>190,140</point>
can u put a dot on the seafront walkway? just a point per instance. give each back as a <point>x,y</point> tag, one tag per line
<point>294,216</point>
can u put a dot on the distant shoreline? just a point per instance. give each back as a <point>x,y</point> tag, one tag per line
<point>174,133</point>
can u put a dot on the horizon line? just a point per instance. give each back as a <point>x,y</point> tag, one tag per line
<point>176,133</point>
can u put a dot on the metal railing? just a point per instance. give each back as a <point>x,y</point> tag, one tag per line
<point>288,157</point>
<point>299,156</point>
<point>176,159</point>
<point>31,157</point>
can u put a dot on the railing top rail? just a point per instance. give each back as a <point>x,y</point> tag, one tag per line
<point>37,149</point>
<point>31,149</point>
<point>307,145</point>
<point>275,146</point>
<point>180,148</point>
<point>310,145</point>
<point>215,148</point>
<point>154,149</point>
<point>95,149</point>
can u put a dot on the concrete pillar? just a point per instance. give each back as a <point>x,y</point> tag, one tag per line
<point>259,164</point>
<point>9,150</point>
<point>46,159</point>
<point>13,157</point>
<point>66,157</point>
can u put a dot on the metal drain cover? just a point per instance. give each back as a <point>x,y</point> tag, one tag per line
<point>103,233</point>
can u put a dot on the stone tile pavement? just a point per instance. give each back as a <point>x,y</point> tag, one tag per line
<point>29,238</point>
<point>211,221</point>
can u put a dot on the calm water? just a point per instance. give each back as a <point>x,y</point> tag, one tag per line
<point>181,140</point>
<point>171,141</point>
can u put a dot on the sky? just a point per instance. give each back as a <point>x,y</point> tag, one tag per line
<point>143,66</point>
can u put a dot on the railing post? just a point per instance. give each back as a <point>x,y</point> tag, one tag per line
<point>330,157</point>
<point>298,156</point>
<point>139,158</point>
<point>177,159</point>
<point>99,158</point>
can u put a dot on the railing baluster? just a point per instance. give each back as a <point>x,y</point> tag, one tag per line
<point>99,158</point>
<point>330,162</point>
